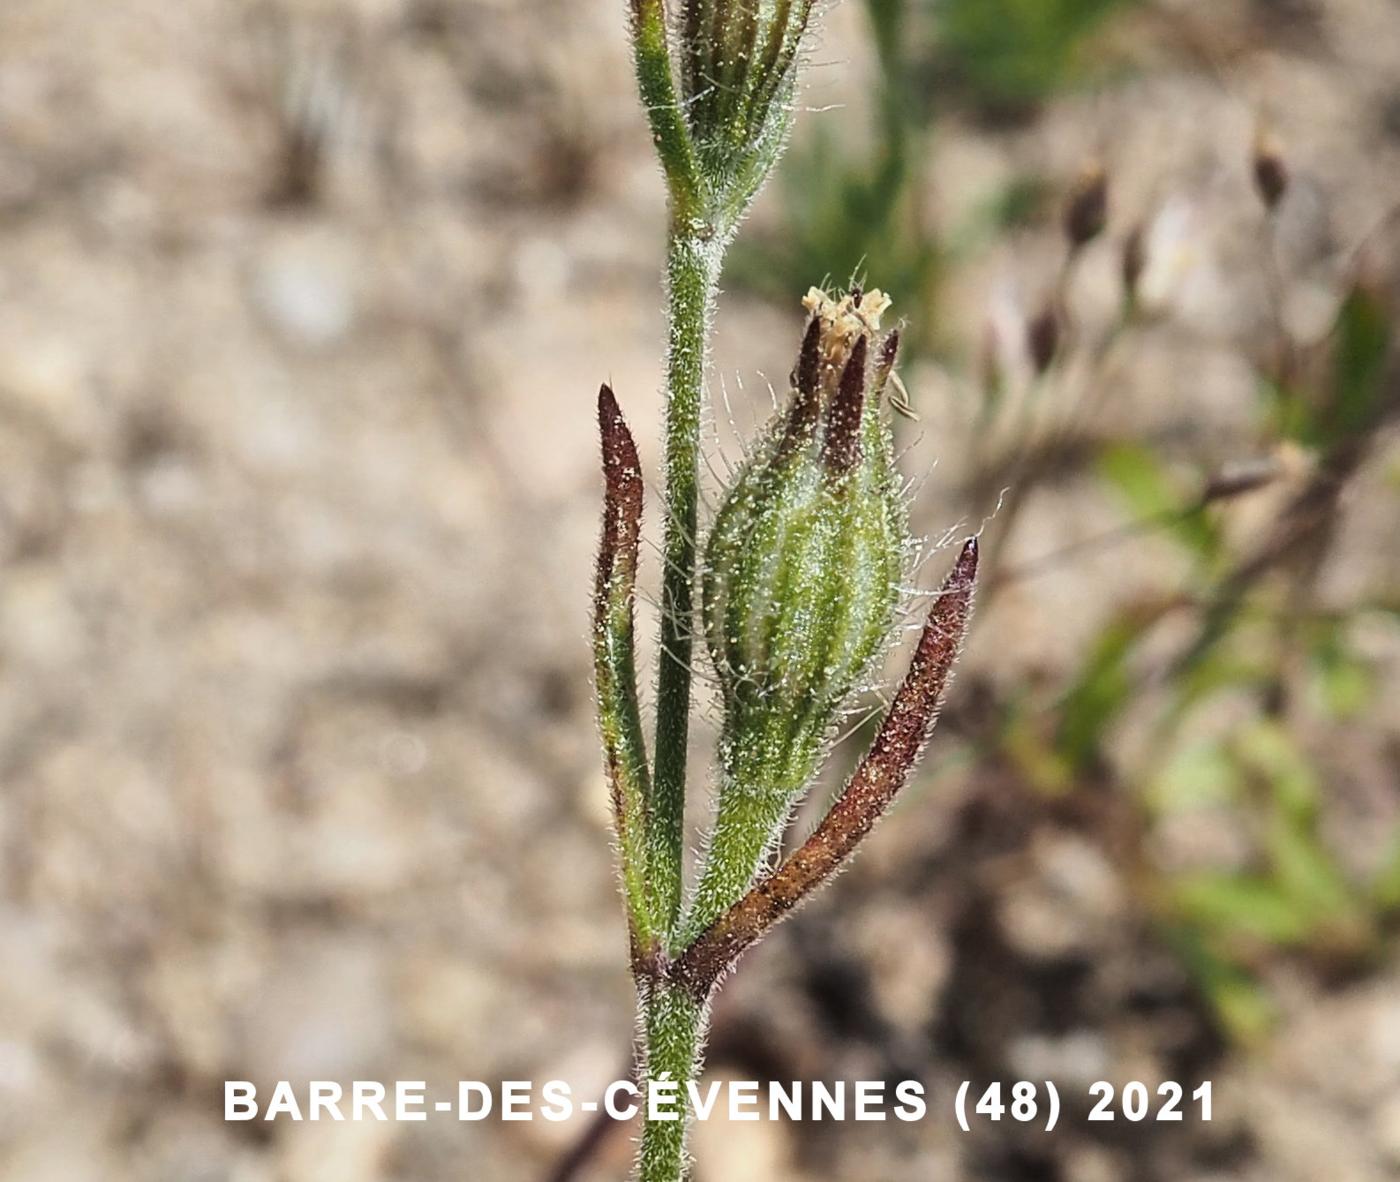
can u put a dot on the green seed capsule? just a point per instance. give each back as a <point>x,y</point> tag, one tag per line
<point>801,580</point>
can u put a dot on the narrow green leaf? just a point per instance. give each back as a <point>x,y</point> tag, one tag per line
<point>1145,484</point>
<point>657,87</point>
<point>1099,693</point>
<point>1385,887</point>
<point>1239,905</point>
<point>615,673</point>
<point>1364,335</point>
<point>1270,750</point>
<point>1309,876</point>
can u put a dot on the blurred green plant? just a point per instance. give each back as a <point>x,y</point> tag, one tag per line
<point>1257,647</point>
<point>850,211</point>
<point>1291,893</point>
<point>1010,55</point>
<point>1320,415</point>
<point>846,214</point>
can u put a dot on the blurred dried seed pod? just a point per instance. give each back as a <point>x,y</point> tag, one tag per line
<point>1043,339</point>
<point>1270,172</point>
<point>1086,211</point>
<point>1133,261</point>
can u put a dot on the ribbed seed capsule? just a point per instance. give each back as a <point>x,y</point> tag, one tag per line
<point>801,580</point>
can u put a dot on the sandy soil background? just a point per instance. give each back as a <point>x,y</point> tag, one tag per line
<point>302,311</point>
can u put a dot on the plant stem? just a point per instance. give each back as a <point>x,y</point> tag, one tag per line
<point>692,272</point>
<point>747,825</point>
<point>675,1024</point>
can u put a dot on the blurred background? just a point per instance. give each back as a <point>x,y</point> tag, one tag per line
<point>303,307</point>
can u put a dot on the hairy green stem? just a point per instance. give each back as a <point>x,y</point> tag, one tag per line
<point>735,62</point>
<point>675,1029</point>
<point>747,826</point>
<point>692,272</point>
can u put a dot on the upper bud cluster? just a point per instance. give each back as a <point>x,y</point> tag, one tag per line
<point>717,78</point>
<point>738,60</point>
<point>803,564</point>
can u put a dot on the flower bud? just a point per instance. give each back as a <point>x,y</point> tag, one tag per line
<point>803,564</point>
<point>737,63</point>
